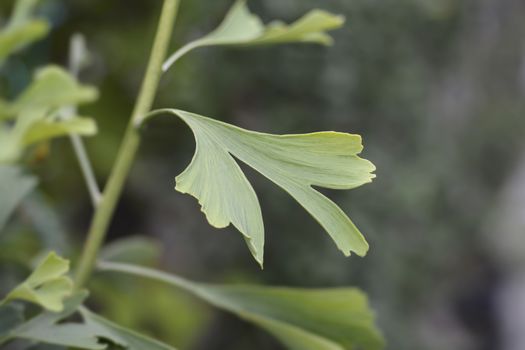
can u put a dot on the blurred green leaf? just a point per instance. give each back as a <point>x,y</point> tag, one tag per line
<point>52,88</point>
<point>136,249</point>
<point>121,336</point>
<point>46,328</point>
<point>303,319</point>
<point>293,162</point>
<point>21,29</point>
<point>37,112</point>
<point>11,316</point>
<point>14,186</point>
<point>47,286</point>
<point>240,27</point>
<point>94,333</point>
<point>45,129</point>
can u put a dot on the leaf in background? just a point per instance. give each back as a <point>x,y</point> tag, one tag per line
<point>293,162</point>
<point>303,319</point>
<point>52,88</point>
<point>46,328</point>
<point>94,333</point>
<point>44,129</point>
<point>135,249</point>
<point>21,29</point>
<point>242,28</point>
<point>124,337</point>
<point>11,316</point>
<point>14,186</point>
<point>36,112</point>
<point>47,285</point>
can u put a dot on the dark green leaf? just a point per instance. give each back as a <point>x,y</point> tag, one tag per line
<point>14,186</point>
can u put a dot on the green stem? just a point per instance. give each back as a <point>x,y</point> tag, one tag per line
<point>128,149</point>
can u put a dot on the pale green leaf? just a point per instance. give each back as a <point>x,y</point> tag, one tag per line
<point>295,163</point>
<point>37,112</point>
<point>32,127</point>
<point>21,29</point>
<point>52,88</point>
<point>47,285</point>
<point>14,186</point>
<point>303,319</point>
<point>240,27</point>
<point>46,129</point>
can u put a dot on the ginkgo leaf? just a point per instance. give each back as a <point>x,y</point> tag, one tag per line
<point>93,333</point>
<point>240,27</point>
<point>51,88</point>
<point>14,186</point>
<point>36,112</point>
<point>293,162</point>
<point>21,29</point>
<point>30,128</point>
<point>47,285</point>
<point>45,129</point>
<point>302,319</point>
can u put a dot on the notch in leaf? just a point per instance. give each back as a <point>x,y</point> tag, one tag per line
<point>240,27</point>
<point>94,333</point>
<point>293,162</point>
<point>47,285</point>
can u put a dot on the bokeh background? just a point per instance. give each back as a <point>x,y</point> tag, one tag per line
<point>436,89</point>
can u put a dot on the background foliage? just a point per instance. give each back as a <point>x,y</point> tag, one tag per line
<point>435,88</point>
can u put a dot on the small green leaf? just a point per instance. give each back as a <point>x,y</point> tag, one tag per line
<point>51,88</point>
<point>293,162</point>
<point>302,319</point>
<point>14,186</point>
<point>46,129</point>
<point>37,112</point>
<point>47,286</point>
<point>240,27</point>
<point>21,29</point>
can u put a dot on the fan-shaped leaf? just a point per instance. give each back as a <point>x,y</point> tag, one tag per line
<point>36,112</point>
<point>303,319</point>
<point>240,27</point>
<point>51,88</point>
<point>47,285</point>
<point>293,162</point>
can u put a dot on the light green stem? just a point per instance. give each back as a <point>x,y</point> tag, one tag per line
<point>126,154</point>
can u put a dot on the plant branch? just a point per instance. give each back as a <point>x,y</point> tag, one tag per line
<point>128,149</point>
<point>77,58</point>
